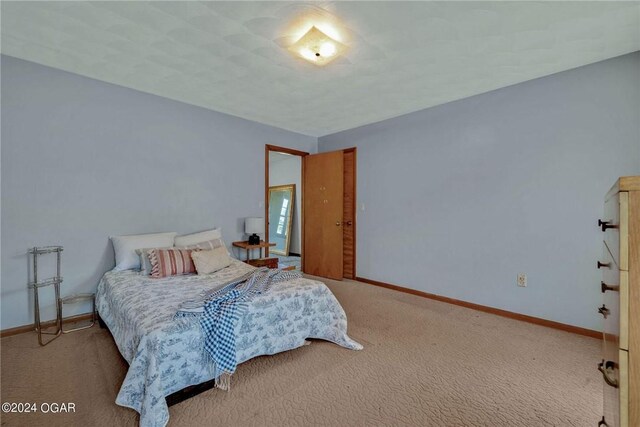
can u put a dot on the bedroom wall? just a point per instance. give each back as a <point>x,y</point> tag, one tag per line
<point>458,199</point>
<point>283,170</point>
<point>83,160</point>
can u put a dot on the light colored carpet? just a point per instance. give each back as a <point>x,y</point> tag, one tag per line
<point>424,363</point>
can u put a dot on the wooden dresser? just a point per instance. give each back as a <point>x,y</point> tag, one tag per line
<point>620,286</point>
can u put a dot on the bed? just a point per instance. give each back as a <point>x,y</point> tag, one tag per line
<point>165,354</point>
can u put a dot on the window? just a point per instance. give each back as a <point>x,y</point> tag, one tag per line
<point>283,213</point>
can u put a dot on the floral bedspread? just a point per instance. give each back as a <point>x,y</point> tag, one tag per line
<point>166,354</point>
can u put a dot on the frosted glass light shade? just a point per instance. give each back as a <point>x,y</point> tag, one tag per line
<point>253,225</point>
<point>317,47</point>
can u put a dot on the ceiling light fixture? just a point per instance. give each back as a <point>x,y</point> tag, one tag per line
<point>317,47</point>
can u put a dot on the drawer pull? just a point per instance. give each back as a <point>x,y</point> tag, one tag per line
<point>603,423</point>
<point>604,311</point>
<point>604,287</point>
<point>605,368</point>
<point>605,224</point>
<point>604,264</point>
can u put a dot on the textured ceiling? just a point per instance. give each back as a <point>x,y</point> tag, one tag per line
<point>403,56</point>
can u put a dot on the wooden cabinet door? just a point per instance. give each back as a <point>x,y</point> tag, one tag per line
<point>323,211</point>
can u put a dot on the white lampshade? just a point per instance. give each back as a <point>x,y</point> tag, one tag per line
<point>254,225</point>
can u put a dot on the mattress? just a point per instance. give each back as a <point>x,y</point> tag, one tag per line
<point>166,354</point>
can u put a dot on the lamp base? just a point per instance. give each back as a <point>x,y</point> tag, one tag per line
<point>254,239</point>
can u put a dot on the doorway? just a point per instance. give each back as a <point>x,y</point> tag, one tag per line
<point>310,210</point>
<point>283,205</point>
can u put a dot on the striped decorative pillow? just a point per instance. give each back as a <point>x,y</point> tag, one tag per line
<point>171,262</point>
<point>205,246</point>
<point>145,263</point>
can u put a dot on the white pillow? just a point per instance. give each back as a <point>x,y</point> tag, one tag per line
<point>195,238</point>
<point>125,247</point>
<point>207,262</point>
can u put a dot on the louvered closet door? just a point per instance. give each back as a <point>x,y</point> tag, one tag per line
<point>349,215</point>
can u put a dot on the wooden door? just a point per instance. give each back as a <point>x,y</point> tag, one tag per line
<point>323,211</point>
<point>349,214</point>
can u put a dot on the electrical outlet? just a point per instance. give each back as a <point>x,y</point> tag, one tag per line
<point>522,280</point>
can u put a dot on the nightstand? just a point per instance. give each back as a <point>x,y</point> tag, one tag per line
<point>247,247</point>
<point>264,262</point>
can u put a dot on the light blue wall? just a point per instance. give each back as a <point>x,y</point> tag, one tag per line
<point>83,160</point>
<point>462,197</point>
<point>458,198</point>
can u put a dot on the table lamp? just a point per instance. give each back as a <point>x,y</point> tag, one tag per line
<point>254,226</point>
